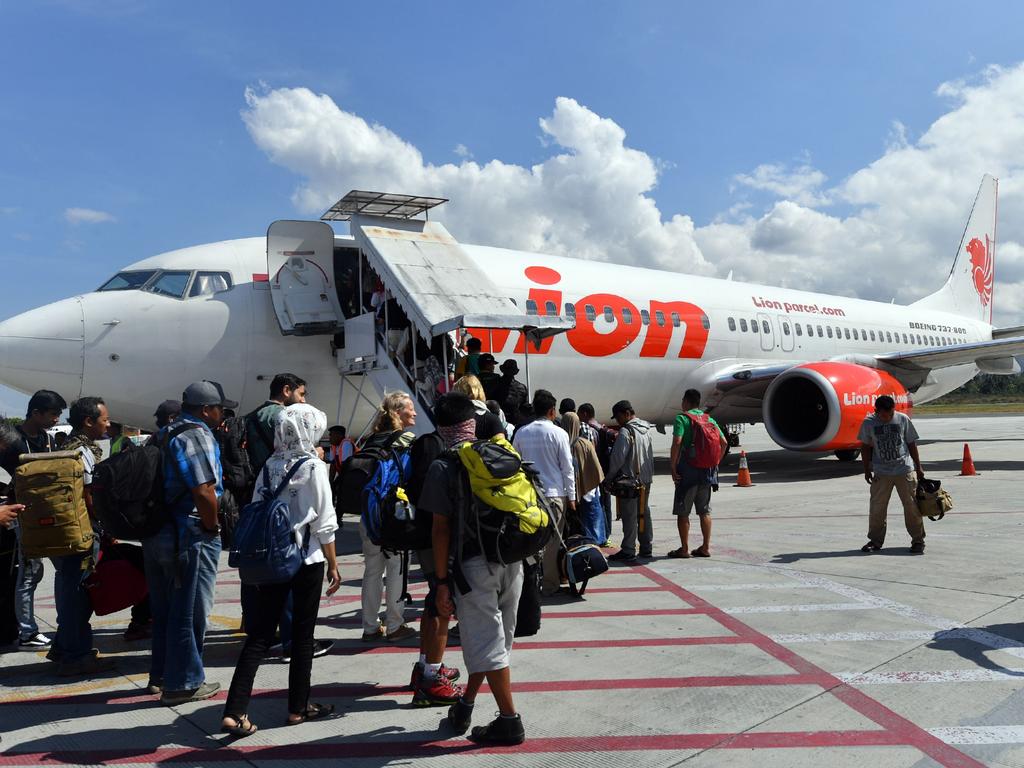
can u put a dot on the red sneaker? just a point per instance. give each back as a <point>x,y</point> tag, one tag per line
<point>436,693</point>
<point>451,674</point>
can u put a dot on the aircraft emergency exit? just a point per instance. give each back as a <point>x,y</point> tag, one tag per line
<point>808,365</point>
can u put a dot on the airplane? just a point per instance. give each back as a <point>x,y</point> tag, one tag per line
<point>808,365</point>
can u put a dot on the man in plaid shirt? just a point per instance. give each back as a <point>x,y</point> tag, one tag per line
<point>181,560</point>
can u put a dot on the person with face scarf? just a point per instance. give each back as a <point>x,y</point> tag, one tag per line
<point>297,431</point>
<point>589,476</point>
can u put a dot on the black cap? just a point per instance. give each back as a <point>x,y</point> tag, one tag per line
<point>486,358</point>
<point>453,408</point>
<point>510,366</point>
<point>622,407</point>
<point>168,408</point>
<point>206,393</point>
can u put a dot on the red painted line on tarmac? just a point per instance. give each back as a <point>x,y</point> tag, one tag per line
<point>134,697</point>
<point>397,748</point>
<point>907,732</point>
<point>545,645</point>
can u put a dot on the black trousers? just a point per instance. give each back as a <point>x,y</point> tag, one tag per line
<point>8,583</point>
<point>261,626</point>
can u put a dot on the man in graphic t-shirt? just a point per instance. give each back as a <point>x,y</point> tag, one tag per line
<point>889,450</point>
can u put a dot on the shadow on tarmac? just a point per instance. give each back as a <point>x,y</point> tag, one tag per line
<point>794,557</point>
<point>978,654</point>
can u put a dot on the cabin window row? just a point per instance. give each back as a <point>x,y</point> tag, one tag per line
<point>610,315</point>
<point>841,332</point>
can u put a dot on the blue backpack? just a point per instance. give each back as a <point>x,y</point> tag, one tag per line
<point>264,549</point>
<point>381,497</point>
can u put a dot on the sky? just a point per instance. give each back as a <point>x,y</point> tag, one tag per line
<point>832,147</point>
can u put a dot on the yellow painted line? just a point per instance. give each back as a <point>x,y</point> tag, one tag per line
<point>33,693</point>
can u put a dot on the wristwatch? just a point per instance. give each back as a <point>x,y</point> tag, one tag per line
<point>215,529</point>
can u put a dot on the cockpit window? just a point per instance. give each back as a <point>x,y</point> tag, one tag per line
<point>128,281</point>
<point>171,284</point>
<point>209,283</point>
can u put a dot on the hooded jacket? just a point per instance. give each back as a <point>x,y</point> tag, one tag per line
<point>297,430</point>
<point>635,436</point>
<point>584,457</point>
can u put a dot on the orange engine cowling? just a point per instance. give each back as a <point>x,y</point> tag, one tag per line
<point>820,406</point>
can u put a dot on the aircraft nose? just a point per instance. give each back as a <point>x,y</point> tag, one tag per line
<point>45,349</point>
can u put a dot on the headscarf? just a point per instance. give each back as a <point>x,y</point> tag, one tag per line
<point>297,430</point>
<point>584,458</point>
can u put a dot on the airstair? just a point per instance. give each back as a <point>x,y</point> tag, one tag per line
<point>438,286</point>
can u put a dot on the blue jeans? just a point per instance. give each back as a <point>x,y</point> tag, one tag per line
<point>30,573</point>
<point>73,640</point>
<point>191,601</point>
<point>159,564</point>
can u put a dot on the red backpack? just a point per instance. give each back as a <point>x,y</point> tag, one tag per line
<point>706,451</point>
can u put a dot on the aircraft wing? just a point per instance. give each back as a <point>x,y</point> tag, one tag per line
<point>996,356</point>
<point>1005,333</point>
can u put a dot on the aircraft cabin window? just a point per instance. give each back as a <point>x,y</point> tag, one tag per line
<point>905,339</point>
<point>821,333</point>
<point>676,322</point>
<point>743,324</point>
<point>888,337</point>
<point>609,315</point>
<point>765,327</point>
<point>732,323</point>
<point>846,331</point>
<point>799,329</point>
<point>829,329</point>
<point>128,281</point>
<point>659,316</point>
<point>754,327</point>
<point>209,283</point>
<point>785,329</point>
<point>570,311</point>
<point>872,335</point>
<point>171,284</point>
<point>645,317</point>
<point>855,336</point>
<point>531,307</point>
<point>706,322</point>
<point>590,312</point>
<point>627,316</point>
<point>550,308</point>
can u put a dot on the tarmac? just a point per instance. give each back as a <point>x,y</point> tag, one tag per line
<point>788,647</point>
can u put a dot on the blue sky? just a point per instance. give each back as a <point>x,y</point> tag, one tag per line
<point>131,111</point>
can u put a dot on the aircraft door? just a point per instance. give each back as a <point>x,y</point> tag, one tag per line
<point>785,330</point>
<point>300,263</point>
<point>767,332</point>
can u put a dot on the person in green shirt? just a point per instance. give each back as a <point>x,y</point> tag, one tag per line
<point>694,485</point>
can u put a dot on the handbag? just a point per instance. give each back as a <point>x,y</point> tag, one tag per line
<point>627,487</point>
<point>932,501</point>
<point>528,613</point>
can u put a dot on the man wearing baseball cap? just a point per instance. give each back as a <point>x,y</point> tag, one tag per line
<point>181,560</point>
<point>166,412</point>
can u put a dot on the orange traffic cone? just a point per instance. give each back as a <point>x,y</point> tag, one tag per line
<point>743,477</point>
<point>967,468</point>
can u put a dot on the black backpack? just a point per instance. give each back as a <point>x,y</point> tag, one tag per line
<point>128,489</point>
<point>234,456</point>
<point>357,469</point>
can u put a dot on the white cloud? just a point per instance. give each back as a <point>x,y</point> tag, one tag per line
<point>589,198</point>
<point>87,216</point>
<point>801,184</point>
<point>592,195</point>
<point>462,151</point>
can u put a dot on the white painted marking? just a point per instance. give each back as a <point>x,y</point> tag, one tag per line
<point>854,637</point>
<point>752,587</point>
<point>934,676</point>
<point>799,608</point>
<point>980,734</point>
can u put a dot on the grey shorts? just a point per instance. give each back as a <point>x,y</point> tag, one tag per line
<point>487,613</point>
<point>698,496</point>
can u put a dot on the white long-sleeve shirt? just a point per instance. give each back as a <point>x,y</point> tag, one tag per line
<point>546,446</point>
<point>309,502</point>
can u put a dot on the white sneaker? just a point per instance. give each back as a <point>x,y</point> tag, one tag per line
<point>38,640</point>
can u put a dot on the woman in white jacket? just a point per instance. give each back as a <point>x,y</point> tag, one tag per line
<point>297,431</point>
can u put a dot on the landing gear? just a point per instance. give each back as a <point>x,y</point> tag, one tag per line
<point>848,454</point>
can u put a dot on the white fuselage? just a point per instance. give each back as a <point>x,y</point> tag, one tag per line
<point>135,348</point>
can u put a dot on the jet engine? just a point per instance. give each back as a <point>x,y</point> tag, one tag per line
<point>820,406</point>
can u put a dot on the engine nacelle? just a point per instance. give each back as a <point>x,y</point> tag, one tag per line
<point>820,406</point>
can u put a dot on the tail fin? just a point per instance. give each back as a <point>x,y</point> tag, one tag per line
<point>969,289</point>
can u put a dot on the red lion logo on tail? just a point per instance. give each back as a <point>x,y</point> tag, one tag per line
<point>982,268</point>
